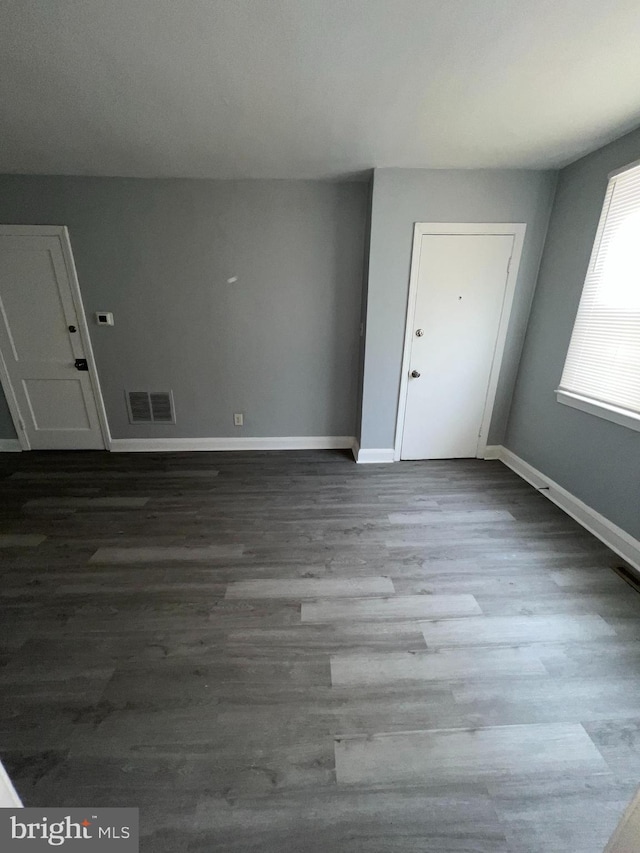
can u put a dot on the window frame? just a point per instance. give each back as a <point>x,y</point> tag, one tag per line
<point>599,408</point>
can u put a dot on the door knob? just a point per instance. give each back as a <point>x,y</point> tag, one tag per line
<point>81,364</point>
<point>415,374</point>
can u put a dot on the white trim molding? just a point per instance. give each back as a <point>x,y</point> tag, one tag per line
<point>493,451</point>
<point>10,445</point>
<point>298,442</point>
<point>623,169</point>
<point>374,455</point>
<point>9,798</point>
<point>626,836</point>
<point>602,410</point>
<point>606,531</point>
<point>516,230</point>
<point>12,405</point>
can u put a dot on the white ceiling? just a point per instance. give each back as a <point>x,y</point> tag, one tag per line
<point>311,88</point>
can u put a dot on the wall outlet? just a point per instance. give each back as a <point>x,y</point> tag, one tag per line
<point>238,419</point>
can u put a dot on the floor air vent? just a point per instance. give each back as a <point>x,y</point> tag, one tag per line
<point>150,407</point>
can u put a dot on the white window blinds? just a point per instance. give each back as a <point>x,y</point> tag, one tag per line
<point>603,362</point>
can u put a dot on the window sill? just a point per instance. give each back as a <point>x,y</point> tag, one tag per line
<point>601,410</point>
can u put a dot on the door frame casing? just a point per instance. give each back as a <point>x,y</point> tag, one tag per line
<point>61,233</point>
<point>516,230</point>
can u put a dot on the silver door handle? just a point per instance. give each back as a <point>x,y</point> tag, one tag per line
<point>415,374</point>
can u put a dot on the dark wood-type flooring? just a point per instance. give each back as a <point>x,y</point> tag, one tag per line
<point>289,653</point>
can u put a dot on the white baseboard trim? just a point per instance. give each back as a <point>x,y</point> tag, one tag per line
<point>298,442</point>
<point>492,451</point>
<point>626,834</point>
<point>374,455</point>
<point>10,445</point>
<point>614,537</point>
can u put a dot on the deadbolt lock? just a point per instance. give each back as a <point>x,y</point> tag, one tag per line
<point>419,333</point>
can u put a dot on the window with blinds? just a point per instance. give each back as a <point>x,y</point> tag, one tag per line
<point>602,371</point>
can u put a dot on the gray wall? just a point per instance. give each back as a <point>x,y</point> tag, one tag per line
<point>596,460</point>
<point>402,197</point>
<point>6,423</point>
<point>280,345</point>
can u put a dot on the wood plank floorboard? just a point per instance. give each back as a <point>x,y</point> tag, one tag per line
<point>504,630</point>
<point>397,667</point>
<point>273,652</point>
<point>392,607</point>
<point>310,588</point>
<point>116,501</point>
<point>164,554</point>
<point>449,516</point>
<point>21,540</point>
<point>450,755</point>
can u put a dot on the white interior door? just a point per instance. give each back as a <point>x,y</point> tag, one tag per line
<point>461,286</point>
<point>40,341</point>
